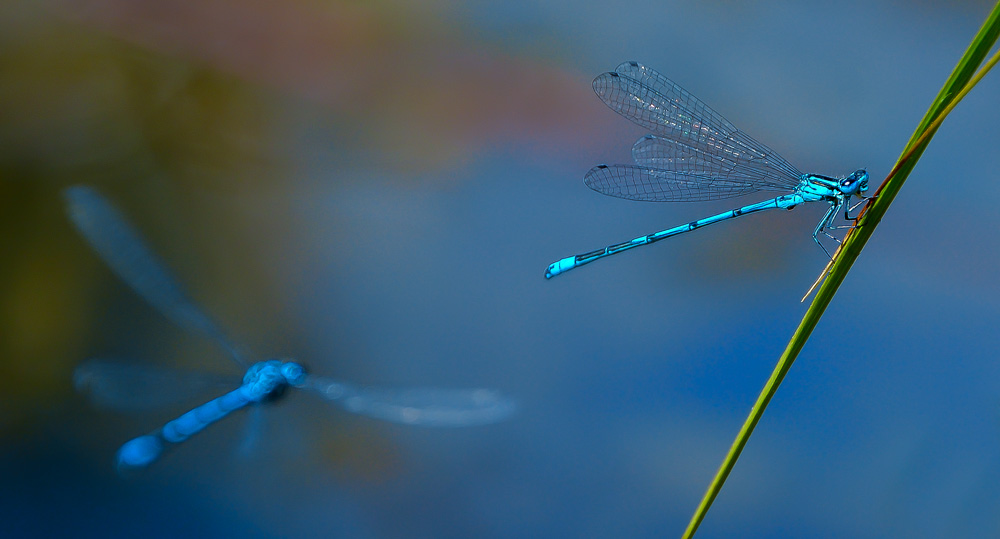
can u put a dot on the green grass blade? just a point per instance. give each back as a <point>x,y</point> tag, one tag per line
<point>962,79</point>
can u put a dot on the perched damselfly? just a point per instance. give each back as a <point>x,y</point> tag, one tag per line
<point>694,154</point>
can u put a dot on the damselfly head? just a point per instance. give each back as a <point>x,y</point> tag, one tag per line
<point>856,183</point>
<point>268,379</point>
<point>294,373</point>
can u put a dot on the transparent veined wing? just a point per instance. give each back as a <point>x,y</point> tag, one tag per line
<point>125,386</point>
<point>634,182</point>
<point>653,101</point>
<point>427,407</point>
<point>754,175</point>
<point>689,129</point>
<point>123,249</point>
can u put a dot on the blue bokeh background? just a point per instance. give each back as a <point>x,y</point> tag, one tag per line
<point>376,190</point>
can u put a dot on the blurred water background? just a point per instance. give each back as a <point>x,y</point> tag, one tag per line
<point>376,188</point>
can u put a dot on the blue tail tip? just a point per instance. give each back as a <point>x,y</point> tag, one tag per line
<point>561,266</point>
<point>139,452</point>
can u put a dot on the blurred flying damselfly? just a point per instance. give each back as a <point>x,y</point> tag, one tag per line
<point>125,385</point>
